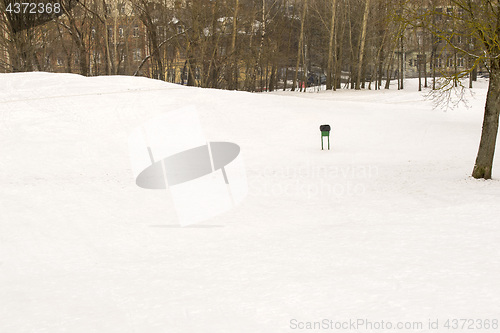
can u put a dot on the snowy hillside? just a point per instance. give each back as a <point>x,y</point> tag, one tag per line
<point>387,225</point>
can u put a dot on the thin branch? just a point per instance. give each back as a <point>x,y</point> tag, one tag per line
<point>143,62</point>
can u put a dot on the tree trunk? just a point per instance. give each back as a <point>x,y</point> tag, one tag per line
<point>389,72</point>
<point>84,64</point>
<point>301,43</point>
<point>362,45</point>
<point>331,62</point>
<point>109,63</point>
<point>424,55</point>
<point>484,160</point>
<point>419,69</point>
<point>19,57</point>
<point>258,61</point>
<point>433,62</point>
<point>233,76</point>
<point>402,63</point>
<point>78,38</point>
<point>469,64</point>
<point>272,78</point>
<point>339,51</point>
<point>351,47</point>
<point>249,68</point>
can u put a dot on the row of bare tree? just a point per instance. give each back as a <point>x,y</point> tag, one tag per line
<point>235,44</point>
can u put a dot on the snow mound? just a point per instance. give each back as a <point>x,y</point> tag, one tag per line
<point>387,225</point>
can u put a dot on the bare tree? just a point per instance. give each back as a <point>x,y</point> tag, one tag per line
<point>479,19</point>
<point>484,21</point>
<point>331,51</point>
<point>301,45</point>
<point>362,43</point>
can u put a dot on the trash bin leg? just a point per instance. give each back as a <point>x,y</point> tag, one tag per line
<point>322,142</point>
<point>328,142</point>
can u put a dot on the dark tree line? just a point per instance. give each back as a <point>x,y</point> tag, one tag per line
<point>232,44</point>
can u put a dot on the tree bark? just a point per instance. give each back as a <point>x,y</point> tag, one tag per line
<point>258,61</point>
<point>362,44</point>
<point>233,75</point>
<point>486,152</point>
<point>389,72</point>
<point>331,62</point>
<point>339,50</point>
<point>402,63</point>
<point>301,43</point>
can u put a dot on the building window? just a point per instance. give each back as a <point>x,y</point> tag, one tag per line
<point>171,75</point>
<point>420,38</point>
<point>120,32</point>
<point>136,32</point>
<point>110,33</point>
<point>59,62</point>
<point>92,33</point>
<point>108,9</point>
<point>161,31</point>
<point>439,14</point>
<point>460,62</point>
<point>121,9</point>
<point>439,62</point>
<point>421,60</point>
<point>450,62</point>
<point>137,54</point>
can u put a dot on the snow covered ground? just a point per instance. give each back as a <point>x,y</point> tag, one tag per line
<point>386,226</point>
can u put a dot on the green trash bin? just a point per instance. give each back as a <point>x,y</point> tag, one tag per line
<point>325,131</point>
